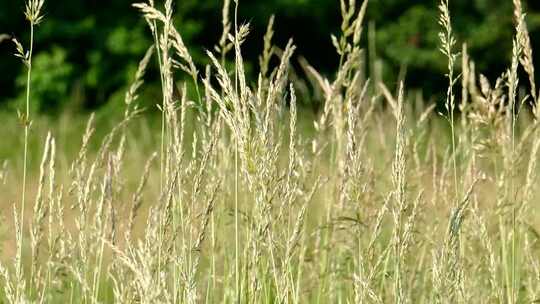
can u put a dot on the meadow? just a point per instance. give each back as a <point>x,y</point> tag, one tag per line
<point>235,194</point>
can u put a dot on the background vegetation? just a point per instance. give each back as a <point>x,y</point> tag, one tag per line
<point>87,50</point>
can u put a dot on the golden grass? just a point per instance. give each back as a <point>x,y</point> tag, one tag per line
<point>234,202</point>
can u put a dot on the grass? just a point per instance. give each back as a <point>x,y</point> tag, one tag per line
<point>241,196</point>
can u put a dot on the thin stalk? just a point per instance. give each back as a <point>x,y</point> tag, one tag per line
<point>512,193</point>
<point>454,156</point>
<point>164,128</point>
<point>514,283</point>
<point>513,84</point>
<point>236,236</point>
<point>155,34</point>
<point>97,272</point>
<point>26,122</point>
<point>158,51</point>
<point>213,258</point>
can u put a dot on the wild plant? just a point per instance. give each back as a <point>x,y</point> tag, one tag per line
<point>244,197</point>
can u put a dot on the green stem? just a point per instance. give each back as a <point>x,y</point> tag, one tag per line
<point>512,193</point>
<point>26,122</point>
<point>236,236</point>
<point>454,156</point>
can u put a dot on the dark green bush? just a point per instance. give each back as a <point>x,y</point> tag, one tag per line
<point>101,41</point>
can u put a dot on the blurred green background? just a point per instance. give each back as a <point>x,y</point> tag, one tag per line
<point>87,50</point>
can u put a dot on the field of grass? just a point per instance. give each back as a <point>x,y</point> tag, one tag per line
<point>241,196</point>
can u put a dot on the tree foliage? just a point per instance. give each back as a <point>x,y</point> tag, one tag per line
<point>87,49</point>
